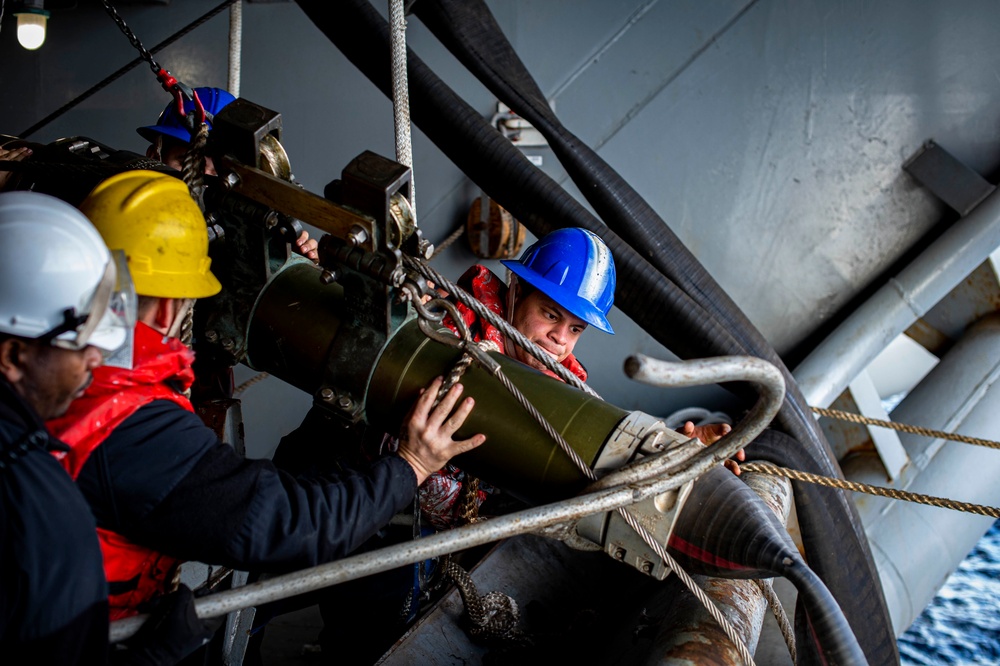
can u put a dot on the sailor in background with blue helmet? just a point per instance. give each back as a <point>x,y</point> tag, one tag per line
<point>170,137</point>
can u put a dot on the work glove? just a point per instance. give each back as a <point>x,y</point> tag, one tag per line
<point>172,632</point>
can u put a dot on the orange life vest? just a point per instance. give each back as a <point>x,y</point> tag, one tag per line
<point>161,368</point>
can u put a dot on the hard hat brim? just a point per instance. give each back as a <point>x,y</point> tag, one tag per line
<point>578,307</point>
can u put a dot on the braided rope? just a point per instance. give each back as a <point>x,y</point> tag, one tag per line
<point>250,382</point>
<point>193,168</point>
<point>400,94</point>
<point>494,616</point>
<point>929,500</point>
<point>235,47</point>
<point>447,242</point>
<point>905,427</point>
<point>787,631</point>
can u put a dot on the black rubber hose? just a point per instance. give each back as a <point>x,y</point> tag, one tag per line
<point>725,530</point>
<point>821,520</point>
<point>471,33</point>
<point>489,160</point>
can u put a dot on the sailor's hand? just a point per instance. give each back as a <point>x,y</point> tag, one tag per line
<point>428,442</point>
<point>12,155</point>
<point>710,434</point>
<point>307,247</point>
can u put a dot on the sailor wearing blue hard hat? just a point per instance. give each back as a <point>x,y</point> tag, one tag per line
<point>170,136</point>
<point>560,285</point>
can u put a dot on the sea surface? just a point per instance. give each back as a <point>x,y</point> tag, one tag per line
<point>962,624</point>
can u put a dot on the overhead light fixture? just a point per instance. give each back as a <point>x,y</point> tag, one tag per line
<point>31,24</point>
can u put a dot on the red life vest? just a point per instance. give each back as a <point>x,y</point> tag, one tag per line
<point>490,290</point>
<point>161,368</point>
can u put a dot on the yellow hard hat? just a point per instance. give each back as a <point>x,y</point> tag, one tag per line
<point>153,219</point>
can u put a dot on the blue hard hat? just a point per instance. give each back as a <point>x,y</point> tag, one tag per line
<point>574,268</point>
<point>171,124</point>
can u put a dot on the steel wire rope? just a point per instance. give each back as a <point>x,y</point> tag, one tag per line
<point>629,519</point>
<point>498,322</point>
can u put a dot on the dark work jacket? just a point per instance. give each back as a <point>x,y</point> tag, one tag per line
<point>165,481</point>
<point>53,597</point>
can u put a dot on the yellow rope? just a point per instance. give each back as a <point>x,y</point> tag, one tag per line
<point>917,430</point>
<point>796,475</point>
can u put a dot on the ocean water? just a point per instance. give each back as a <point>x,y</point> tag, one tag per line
<point>962,624</point>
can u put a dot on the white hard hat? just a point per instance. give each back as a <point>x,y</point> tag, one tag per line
<point>58,281</point>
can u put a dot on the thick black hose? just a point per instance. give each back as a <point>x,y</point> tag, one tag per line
<point>651,300</point>
<point>470,32</point>
<point>821,521</point>
<point>725,530</point>
<point>489,159</point>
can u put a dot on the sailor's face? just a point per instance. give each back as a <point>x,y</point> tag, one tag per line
<point>548,325</point>
<point>51,378</point>
<point>172,154</point>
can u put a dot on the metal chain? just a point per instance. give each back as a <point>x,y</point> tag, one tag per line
<point>930,500</point>
<point>904,427</point>
<point>127,31</point>
<point>97,87</point>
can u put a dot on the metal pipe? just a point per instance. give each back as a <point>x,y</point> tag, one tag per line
<point>836,361</point>
<point>417,550</point>
<point>766,377</point>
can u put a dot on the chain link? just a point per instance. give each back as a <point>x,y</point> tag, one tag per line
<point>133,40</point>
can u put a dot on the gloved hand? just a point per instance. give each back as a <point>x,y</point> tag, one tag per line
<point>172,632</point>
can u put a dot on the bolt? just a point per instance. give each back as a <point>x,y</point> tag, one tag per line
<point>328,276</point>
<point>231,181</point>
<point>345,402</point>
<point>228,344</point>
<point>425,248</point>
<point>357,236</point>
<point>271,220</point>
<point>619,554</point>
<point>211,336</point>
<point>327,394</point>
<point>646,567</point>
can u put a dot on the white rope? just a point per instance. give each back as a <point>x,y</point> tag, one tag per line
<point>400,92</point>
<point>235,46</point>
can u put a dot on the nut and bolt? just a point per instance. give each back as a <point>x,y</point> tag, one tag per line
<point>327,394</point>
<point>228,344</point>
<point>425,248</point>
<point>646,567</point>
<point>357,236</point>
<point>230,181</point>
<point>619,554</point>
<point>211,336</point>
<point>345,403</point>
<point>328,276</point>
